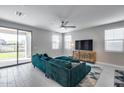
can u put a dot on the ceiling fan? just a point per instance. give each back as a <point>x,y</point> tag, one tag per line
<point>64,25</point>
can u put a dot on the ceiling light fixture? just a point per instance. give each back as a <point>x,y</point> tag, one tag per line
<point>18,13</point>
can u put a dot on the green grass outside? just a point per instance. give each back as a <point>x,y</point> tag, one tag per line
<point>11,55</point>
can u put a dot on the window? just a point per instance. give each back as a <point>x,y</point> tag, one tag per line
<point>68,42</point>
<point>55,42</point>
<point>114,40</point>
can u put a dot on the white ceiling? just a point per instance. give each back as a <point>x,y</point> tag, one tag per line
<point>50,17</point>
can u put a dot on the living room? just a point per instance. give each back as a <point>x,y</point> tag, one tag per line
<point>65,45</point>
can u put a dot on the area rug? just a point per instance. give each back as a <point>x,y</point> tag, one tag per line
<point>119,78</point>
<point>91,79</point>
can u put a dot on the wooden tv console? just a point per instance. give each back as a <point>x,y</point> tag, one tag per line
<point>84,55</point>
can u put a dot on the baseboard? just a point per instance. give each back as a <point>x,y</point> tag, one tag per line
<point>108,64</point>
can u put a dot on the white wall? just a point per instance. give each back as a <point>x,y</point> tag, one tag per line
<point>41,38</point>
<point>97,34</point>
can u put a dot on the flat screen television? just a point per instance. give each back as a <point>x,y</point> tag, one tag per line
<point>84,45</point>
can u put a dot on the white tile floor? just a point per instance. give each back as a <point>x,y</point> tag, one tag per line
<point>27,76</point>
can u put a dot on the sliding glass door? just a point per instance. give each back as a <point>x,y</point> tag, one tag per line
<point>15,46</point>
<point>24,46</point>
<point>8,46</point>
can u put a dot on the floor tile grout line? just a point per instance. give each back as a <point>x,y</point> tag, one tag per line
<point>14,77</point>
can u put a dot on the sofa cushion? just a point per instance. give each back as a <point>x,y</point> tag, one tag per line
<point>62,57</point>
<point>63,63</point>
<point>43,57</point>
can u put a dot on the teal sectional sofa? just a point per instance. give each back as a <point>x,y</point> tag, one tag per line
<point>65,72</point>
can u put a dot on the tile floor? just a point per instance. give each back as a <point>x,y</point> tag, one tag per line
<point>27,76</point>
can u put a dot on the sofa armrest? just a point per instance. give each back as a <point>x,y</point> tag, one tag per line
<point>34,60</point>
<point>39,63</point>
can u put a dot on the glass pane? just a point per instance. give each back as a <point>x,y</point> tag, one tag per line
<point>55,42</point>
<point>68,41</point>
<point>8,47</point>
<point>24,46</point>
<point>114,34</point>
<point>68,38</point>
<point>114,45</point>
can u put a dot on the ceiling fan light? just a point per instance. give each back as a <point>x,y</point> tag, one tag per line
<point>62,28</point>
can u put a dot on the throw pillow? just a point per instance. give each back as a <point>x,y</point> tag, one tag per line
<point>45,54</point>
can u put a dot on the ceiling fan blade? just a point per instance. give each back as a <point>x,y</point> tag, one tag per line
<point>64,25</point>
<point>66,22</point>
<point>70,26</point>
